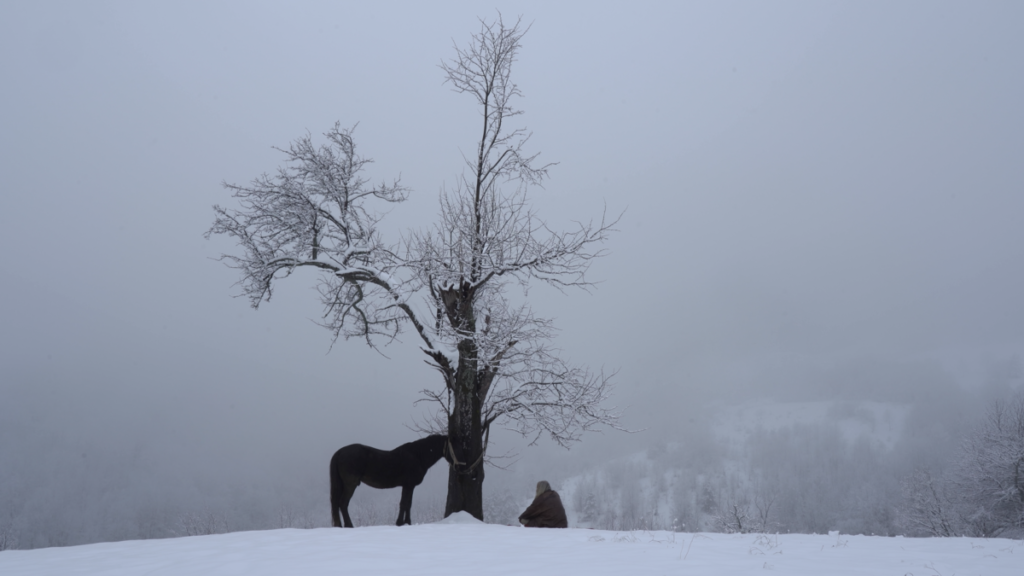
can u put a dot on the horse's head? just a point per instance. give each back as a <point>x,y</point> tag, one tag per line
<point>440,443</point>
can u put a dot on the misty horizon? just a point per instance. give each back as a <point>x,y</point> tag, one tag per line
<point>821,203</point>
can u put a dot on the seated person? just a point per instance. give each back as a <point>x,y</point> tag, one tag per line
<point>546,510</point>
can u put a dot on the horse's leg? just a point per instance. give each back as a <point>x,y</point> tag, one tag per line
<point>337,496</point>
<point>405,506</point>
<point>350,488</point>
<point>335,517</point>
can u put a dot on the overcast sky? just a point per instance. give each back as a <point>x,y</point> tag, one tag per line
<point>805,186</point>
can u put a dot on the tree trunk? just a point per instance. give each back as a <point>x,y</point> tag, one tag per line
<point>465,432</point>
<point>465,484</point>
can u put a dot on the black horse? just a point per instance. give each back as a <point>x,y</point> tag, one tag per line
<point>404,466</point>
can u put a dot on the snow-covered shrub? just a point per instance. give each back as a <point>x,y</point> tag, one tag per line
<point>8,540</point>
<point>201,523</point>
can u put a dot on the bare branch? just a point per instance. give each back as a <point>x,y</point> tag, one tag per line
<point>313,213</point>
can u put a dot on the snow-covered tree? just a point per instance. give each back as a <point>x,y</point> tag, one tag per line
<point>982,494</point>
<point>450,283</point>
<point>989,474</point>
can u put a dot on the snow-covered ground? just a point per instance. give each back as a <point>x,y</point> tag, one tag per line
<point>461,545</point>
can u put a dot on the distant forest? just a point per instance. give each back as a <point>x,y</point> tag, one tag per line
<point>918,462</point>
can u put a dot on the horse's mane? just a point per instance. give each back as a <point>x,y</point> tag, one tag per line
<point>423,441</point>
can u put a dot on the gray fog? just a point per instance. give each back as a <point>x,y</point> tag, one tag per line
<point>820,201</point>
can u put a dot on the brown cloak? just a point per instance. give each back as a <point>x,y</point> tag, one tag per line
<point>545,512</point>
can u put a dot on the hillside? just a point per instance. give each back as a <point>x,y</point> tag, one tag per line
<point>809,467</point>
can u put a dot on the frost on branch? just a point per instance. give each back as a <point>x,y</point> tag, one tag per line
<point>315,213</point>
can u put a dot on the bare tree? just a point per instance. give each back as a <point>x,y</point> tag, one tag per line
<point>929,507</point>
<point>764,499</point>
<point>449,283</point>
<point>734,518</point>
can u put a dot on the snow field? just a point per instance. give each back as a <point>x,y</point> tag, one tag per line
<point>461,545</point>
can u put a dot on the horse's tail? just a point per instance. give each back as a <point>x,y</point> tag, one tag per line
<point>337,494</point>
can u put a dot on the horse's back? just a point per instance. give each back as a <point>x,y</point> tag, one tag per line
<point>352,460</point>
<point>403,466</point>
